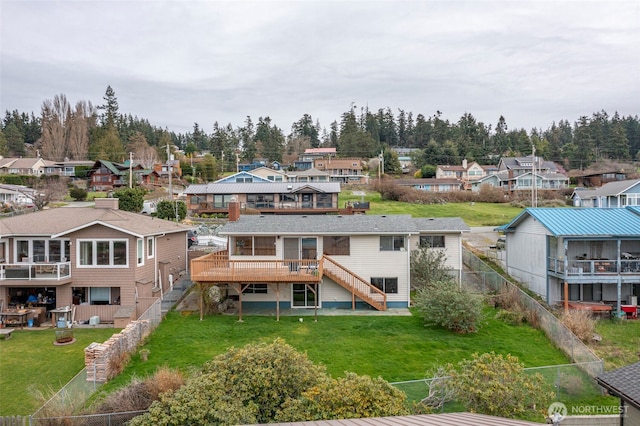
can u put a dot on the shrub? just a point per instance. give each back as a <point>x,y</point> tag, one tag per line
<point>78,194</point>
<point>428,266</point>
<point>580,322</point>
<point>445,304</point>
<point>497,385</point>
<point>510,317</point>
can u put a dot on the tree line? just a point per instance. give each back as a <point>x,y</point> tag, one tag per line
<point>82,131</point>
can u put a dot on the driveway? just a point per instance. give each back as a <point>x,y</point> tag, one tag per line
<point>481,237</point>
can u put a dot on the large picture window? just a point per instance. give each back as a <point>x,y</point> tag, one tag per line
<point>392,243</point>
<point>99,253</point>
<point>339,245</point>
<point>386,284</point>
<point>255,246</point>
<point>434,241</point>
<point>221,201</point>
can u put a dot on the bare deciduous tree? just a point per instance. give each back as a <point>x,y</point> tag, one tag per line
<point>143,154</point>
<point>55,128</point>
<point>82,120</point>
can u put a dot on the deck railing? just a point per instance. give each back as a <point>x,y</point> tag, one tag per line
<point>35,271</point>
<point>216,267</point>
<point>595,266</point>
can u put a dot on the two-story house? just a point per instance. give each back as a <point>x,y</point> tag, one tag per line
<point>343,170</point>
<point>467,173</point>
<point>267,197</point>
<point>521,173</point>
<point>576,256</point>
<point>324,261</point>
<point>613,194</point>
<point>97,260</point>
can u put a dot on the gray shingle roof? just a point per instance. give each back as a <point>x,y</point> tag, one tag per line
<point>623,382</point>
<point>338,224</point>
<point>60,221</point>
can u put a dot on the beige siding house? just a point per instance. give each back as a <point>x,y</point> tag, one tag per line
<point>96,260</point>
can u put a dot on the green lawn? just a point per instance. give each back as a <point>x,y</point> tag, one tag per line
<point>30,359</point>
<point>620,344</point>
<point>474,214</point>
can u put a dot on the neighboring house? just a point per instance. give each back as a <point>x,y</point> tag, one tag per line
<point>312,154</point>
<point>244,177</point>
<point>271,175</point>
<point>163,169</point>
<point>68,168</point>
<point>107,175</point>
<point>597,179</point>
<point>576,255</point>
<point>310,175</point>
<point>101,261</point>
<point>343,170</point>
<point>515,174</point>
<point>325,261</point>
<point>432,184</point>
<point>267,197</point>
<point>467,172</point>
<point>624,383</point>
<point>16,194</point>
<point>23,166</point>
<point>613,194</point>
<point>247,167</point>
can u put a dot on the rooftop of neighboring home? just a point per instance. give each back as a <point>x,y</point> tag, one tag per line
<point>582,221</point>
<point>338,224</point>
<point>609,189</point>
<point>61,221</point>
<point>624,383</point>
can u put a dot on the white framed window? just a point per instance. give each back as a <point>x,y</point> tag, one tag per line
<point>140,251</point>
<point>392,243</point>
<point>433,241</point>
<point>102,253</point>
<point>150,247</point>
<point>385,284</point>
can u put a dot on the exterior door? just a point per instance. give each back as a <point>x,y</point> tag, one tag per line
<point>291,252</point>
<point>303,296</point>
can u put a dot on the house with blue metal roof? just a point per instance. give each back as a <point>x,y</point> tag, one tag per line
<point>580,257</point>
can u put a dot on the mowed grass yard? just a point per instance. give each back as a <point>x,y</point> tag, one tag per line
<point>473,214</point>
<point>393,347</point>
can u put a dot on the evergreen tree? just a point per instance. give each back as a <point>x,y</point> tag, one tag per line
<point>111,116</point>
<point>15,141</point>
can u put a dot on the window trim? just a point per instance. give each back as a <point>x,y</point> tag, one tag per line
<point>393,239</point>
<point>94,253</point>
<point>431,237</point>
<point>140,251</point>
<point>384,284</point>
<point>151,246</point>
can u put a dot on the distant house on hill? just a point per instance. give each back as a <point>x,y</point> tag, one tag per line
<point>613,194</point>
<point>516,173</point>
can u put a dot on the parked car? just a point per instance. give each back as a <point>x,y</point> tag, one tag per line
<point>149,207</point>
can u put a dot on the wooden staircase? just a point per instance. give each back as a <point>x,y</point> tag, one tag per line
<point>357,286</point>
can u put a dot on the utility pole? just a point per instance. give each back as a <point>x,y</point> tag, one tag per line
<point>534,195</point>
<point>130,170</point>
<point>237,162</point>
<point>222,162</point>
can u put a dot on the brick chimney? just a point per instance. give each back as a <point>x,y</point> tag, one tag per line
<point>234,210</point>
<point>107,203</point>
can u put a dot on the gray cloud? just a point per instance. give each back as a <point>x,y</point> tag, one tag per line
<point>176,63</point>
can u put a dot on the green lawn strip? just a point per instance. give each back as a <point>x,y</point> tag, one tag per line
<point>30,359</point>
<point>620,344</point>
<point>395,348</point>
<point>474,214</point>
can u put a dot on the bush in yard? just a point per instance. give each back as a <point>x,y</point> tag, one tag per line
<point>140,394</point>
<point>264,382</point>
<point>428,266</point>
<point>349,397</point>
<point>130,199</point>
<point>580,322</point>
<point>497,385</point>
<point>78,194</point>
<point>443,303</point>
<point>167,210</point>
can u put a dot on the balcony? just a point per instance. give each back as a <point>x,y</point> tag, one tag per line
<point>26,271</point>
<point>216,267</point>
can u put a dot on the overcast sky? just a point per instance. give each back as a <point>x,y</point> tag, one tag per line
<point>176,63</point>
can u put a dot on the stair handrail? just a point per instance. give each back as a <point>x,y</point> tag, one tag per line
<point>358,285</point>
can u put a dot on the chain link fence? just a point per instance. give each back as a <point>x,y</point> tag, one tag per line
<point>480,277</point>
<point>61,407</point>
<point>569,382</point>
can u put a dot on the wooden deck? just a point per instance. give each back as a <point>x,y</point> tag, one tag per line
<point>217,268</point>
